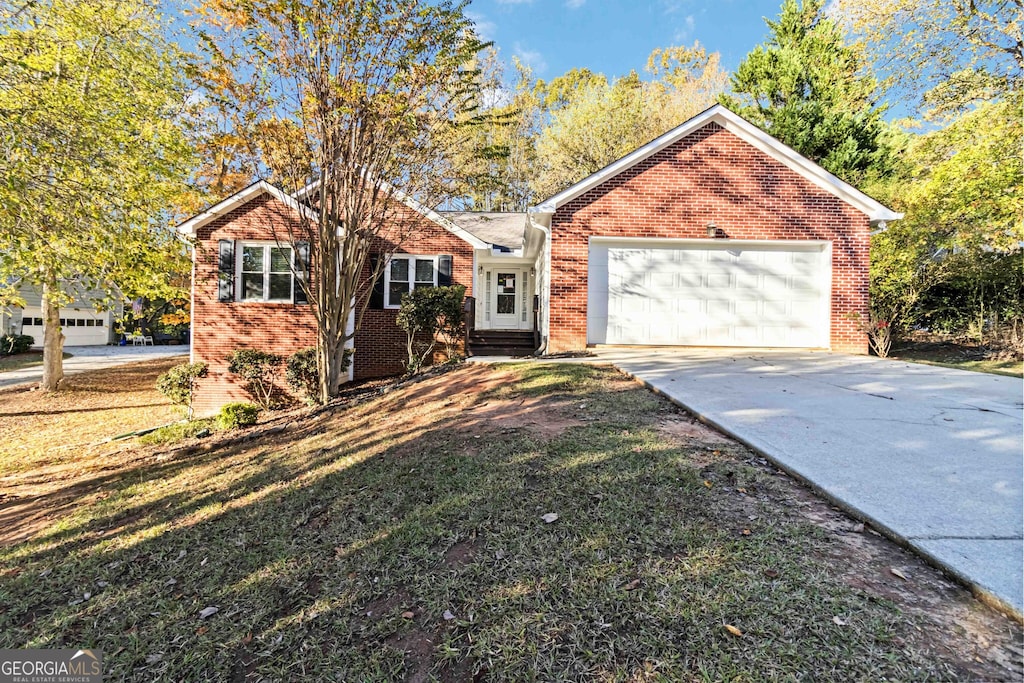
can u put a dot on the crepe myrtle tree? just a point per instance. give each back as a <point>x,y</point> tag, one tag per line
<point>346,113</point>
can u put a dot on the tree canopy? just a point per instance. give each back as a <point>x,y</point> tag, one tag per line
<point>91,153</point>
<point>805,87</point>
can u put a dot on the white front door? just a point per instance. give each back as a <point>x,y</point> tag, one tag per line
<point>507,298</point>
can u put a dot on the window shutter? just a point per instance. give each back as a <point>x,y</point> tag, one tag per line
<point>444,271</point>
<point>226,271</point>
<point>301,272</point>
<point>377,295</point>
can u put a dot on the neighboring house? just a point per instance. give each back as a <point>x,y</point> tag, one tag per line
<point>81,321</point>
<point>714,234</point>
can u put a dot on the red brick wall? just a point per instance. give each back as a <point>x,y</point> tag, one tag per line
<point>380,343</point>
<point>220,328</point>
<point>710,175</point>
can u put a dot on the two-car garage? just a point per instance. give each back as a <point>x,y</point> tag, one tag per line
<point>708,292</point>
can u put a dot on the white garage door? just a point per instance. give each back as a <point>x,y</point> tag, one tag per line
<point>81,328</point>
<point>773,294</point>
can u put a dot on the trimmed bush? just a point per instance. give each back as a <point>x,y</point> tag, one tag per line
<point>426,313</point>
<point>258,369</point>
<point>11,344</point>
<point>179,383</point>
<point>302,374</point>
<point>235,415</point>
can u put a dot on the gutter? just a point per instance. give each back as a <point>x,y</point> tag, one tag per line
<point>547,279</point>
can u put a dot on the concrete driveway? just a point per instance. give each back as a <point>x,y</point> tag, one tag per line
<point>931,456</point>
<point>94,358</point>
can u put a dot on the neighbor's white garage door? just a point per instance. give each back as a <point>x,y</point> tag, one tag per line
<point>708,293</point>
<point>81,328</point>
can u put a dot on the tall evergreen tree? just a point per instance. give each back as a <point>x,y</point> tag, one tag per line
<point>803,86</point>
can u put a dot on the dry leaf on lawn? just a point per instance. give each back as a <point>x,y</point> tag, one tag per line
<point>733,630</point>
<point>550,517</point>
<point>633,585</point>
<point>897,572</point>
<point>838,621</point>
<point>208,612</point>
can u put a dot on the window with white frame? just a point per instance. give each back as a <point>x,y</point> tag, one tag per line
<point>406,273</point>
<point>265,272</point>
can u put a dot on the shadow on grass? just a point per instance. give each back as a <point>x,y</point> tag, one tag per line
<point>374,547</point>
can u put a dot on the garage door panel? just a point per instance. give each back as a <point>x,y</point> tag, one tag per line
<point>716,295</point>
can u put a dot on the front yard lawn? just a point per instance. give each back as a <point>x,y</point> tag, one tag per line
<point>410,537</point>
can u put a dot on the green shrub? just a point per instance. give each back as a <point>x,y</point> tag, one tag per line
<point>426,313</point>
<point>258,369</point>
<point>179,432</point>
<point>11,344</point>
<point>235,415</point>
<point>302,374</point>
<point>179,383</point>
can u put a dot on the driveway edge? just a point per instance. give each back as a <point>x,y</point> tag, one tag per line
<point>983,594</point>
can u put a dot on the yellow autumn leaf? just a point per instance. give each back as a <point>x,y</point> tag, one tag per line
<point>733,630</point>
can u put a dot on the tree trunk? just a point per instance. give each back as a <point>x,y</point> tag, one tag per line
<point>53,339</point>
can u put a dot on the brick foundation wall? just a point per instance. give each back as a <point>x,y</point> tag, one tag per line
<point>710,175</point>
<point>220,328</point>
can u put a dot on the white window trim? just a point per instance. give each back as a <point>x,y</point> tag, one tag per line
<point>240,246</point>
<point>411,258</point>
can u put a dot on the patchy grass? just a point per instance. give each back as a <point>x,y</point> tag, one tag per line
<point>959,356</point>
<point>23,360</point>
<point>38,429</point>
<point>402,538</point>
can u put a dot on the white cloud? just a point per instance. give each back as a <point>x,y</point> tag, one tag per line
<point>575,4</point>
<point>671,6</point>
<point>485,28</point>
<point>684,32</point>
<point>531,58</point>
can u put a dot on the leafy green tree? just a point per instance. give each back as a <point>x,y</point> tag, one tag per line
<point>960,188</point>
<point>594,122</point>
<point>941,56</point>
<point>804,86</point>
<point>91,154</point>
<point>493,147</point>
<point>359,96</point>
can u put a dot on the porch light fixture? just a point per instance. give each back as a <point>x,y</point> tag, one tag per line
<point>712,229</point>
<point>480,270</point>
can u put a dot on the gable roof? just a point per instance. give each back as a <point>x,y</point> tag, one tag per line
<point>240,198</point>
<point>747,132</point>
<point>416,206</point>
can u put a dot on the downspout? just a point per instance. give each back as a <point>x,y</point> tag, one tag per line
<point>545,296</point>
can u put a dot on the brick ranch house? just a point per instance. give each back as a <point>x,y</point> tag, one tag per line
<point>714,234</point>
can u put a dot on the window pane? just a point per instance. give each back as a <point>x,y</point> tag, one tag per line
<point>400,270</point>
<point>252,259</point>
<point>280,260</point>
<point>506,304</point>
<point>396,291</point>
<point>425,270</point>
<point>252,286</point>
<point>281,287</point>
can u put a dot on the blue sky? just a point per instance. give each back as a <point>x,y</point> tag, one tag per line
<point>613,36</point>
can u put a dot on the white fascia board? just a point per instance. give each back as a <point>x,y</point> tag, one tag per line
<point>240,198</point>
<point>416,206</point>
<point>746,131</point>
